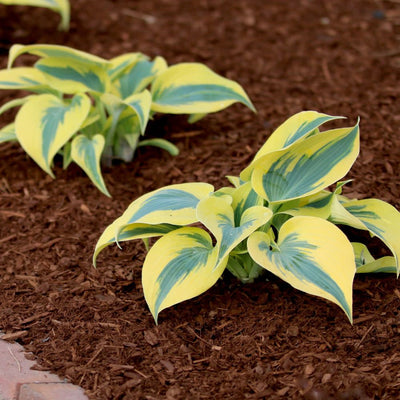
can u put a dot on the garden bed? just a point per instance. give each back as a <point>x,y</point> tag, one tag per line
<point>264,340</point>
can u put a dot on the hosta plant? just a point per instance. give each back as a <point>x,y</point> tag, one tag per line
<point>278,216</point>
<point>89,109</point>
<point>61,7</point>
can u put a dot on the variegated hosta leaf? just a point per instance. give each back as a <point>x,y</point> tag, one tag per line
<point>316,205</point>
<point>312,255</point>
<point>339,214</point>
<point>70,76</point>
<point>191,88</point>
<point>339,187</point>
<point>60,6</point>
<point>307,166</point>
<point>51,50</point>
<point>234,180</point>
<point>298,126</point>
<point>361,254</point>
<point>91,126</point>
<point>138,103</point>
<point>379,218</point>
<point>160,143</point>
<point>92,119</point>
<point>174,204</point>
<point>14,103</point>
<point>180,266</point>
<point>26,78</point>
<point>64,9</point>
<point>37,3</point>
<point>217,215</point>
<point>225,191</point>
<point>129,232</point>
<point>139,76</point>
<point>45,123</point>
<point>113,103</point>
<point>86,152</point>
<point>196,117</point>
<point>119,64</point>
<point>7,133</point>
<point>367,264</point>
<point>383,265</point>
<point>66,154</point>
<point>243,198</point>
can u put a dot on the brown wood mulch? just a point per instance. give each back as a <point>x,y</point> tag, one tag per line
<point>259,341</point>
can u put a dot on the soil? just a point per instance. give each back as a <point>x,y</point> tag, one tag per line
<point>259,341</point>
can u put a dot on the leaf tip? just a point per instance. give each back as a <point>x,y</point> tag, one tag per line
<point>106,192</point>
<point>251,106</point>
<point>116,237</point>
<point>155,316</point>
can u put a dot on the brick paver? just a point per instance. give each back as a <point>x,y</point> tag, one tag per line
<point>19,382</point>
<point>47,391</point>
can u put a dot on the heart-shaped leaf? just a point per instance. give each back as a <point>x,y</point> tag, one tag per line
<point>217,214</point>
<point>306,167</point>
<point>70,76</point>
<point>191,88</point>
<point>86,152</point>
<point>297,127</point>
<point>45,123</point>
<point>312,255</point>
<point>180,266</point>
<point>376,216</point>
<point>174,204</point>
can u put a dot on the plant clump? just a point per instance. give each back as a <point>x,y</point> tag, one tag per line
<point>278,216</point>
<point>91,110</point>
